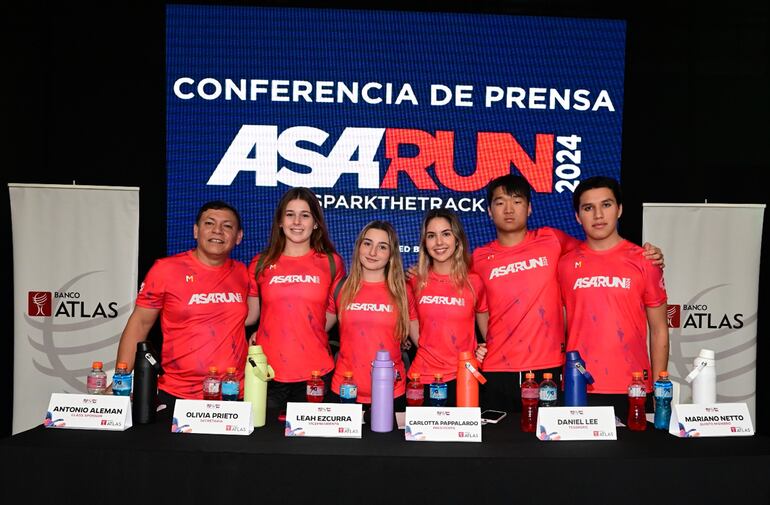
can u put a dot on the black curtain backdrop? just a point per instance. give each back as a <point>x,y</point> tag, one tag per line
<point>84,102</point>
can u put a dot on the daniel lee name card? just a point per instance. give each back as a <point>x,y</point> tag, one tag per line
<point>576,423</point>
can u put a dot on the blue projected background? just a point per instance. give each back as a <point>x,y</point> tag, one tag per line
<point>385,114</point>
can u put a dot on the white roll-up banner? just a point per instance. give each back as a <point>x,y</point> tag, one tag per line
<point>712,254</point>
<point>75,252</point>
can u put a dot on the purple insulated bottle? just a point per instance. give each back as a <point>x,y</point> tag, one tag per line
<point>383,377</point>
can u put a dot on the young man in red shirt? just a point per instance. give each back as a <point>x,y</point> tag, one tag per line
<point>612,294</point>
<point>526,329</point>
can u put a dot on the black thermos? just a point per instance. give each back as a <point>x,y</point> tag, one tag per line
<point>146,370</point>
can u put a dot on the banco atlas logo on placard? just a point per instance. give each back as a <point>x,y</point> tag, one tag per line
<point>71,324</point>
<point>701,317</point>
<point>674,315</point>
<point>70,304</point>
<point>39,303</point>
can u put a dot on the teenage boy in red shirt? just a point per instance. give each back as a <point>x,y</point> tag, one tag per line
<point>612,294</point>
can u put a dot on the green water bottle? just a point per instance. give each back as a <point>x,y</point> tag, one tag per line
<point>258,372</point>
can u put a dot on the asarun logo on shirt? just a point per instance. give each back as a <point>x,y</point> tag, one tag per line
<point>203,298</point>
<point>370,307</point>
<point>290,279</point>
<point>602,281</point>
<point>518,266</point>
<point>442,300</point>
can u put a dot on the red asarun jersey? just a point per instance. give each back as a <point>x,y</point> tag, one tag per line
<point>606,294</point>
<point>526,323</point>
<point>366,326</point>
<point>294,293</point>
<point>202,315</point>
<point>447,323</point>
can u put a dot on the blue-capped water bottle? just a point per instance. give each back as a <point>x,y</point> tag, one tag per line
<point>664,391</point>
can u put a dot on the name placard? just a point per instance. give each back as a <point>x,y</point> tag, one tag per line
<point>88,412</point>
<point>340,420</point>
<point>443,424</point>
<point>212,417</point>
<point>576,423</point>
<point>710,420</point>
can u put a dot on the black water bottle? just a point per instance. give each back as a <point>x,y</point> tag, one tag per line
<point>146,370</point>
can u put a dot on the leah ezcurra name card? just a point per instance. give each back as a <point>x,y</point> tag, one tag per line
<point>339,420</point>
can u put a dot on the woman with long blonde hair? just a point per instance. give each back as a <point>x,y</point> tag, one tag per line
<point>450,300</point>
<point>375,310</point>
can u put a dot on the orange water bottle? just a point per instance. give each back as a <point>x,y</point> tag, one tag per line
<point>468,378</point>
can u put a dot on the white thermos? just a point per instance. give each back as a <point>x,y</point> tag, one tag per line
<point>703,378</point>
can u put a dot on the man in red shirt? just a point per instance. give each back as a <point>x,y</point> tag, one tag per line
<point>612,294</point>
<point>200,296</point>
<point>526,326</point>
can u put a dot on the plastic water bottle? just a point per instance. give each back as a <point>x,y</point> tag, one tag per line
<point>96,382</point>
<point>348,389</point>
<point>664,391</point>
<point>548,393</point>
<point>383,384</point>
<point>530,394</point>
<point>258,372</point>
<point>231,386</point>
<point>438,391</point>
<point>415,393</point>
<point>212,385</point>
<point>637,394</point>
<point>121,380</point>
<point>314,391</point>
